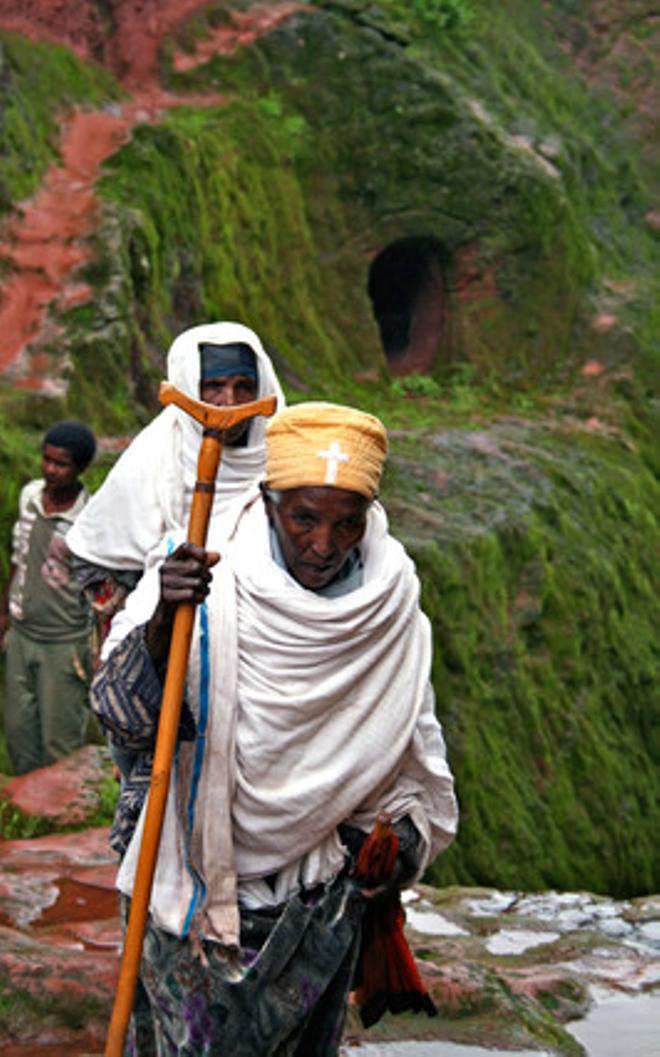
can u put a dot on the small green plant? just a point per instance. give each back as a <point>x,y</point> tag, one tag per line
<point>462,374</point>
<point>464,399</point>
<point>415,385</point>
<point>463,393</point>
<point>271,105</point>
<point>15,825</point>
<point>522,402</point>
<point>292,126</point>
<point>108,794</point>
<point>444,14</point>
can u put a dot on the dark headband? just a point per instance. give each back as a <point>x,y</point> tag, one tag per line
<point>223,361</point>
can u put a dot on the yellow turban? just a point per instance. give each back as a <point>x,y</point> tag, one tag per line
<point>317,444</point>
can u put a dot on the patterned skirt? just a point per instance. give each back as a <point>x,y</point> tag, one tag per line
<point>285,995</point>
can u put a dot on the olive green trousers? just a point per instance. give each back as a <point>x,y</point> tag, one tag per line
<point>46,699</point>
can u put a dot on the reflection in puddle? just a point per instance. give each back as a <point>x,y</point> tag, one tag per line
<point>430,923</point>
<point>77,901</point>
<point>571,911</point>
<point>622,1025</point>
<point>515,941</point>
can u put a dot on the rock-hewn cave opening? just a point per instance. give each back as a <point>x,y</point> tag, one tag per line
<point>408,290</point>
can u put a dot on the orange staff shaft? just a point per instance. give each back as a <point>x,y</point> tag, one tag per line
<point>215,421</point>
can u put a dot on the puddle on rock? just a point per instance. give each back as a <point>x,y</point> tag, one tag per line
<point>78,902</point>
<point>622,1025</point>
<point>430,923</point>
<point>517,941</point>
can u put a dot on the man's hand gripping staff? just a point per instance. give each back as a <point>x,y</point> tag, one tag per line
<point>177,612</point>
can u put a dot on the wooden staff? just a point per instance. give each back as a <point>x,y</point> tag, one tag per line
<point>215,420</point>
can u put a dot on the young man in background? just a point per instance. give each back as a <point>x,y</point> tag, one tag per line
<point>44,622</point>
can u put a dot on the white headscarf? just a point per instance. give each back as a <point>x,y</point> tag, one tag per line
<point>149,490</point>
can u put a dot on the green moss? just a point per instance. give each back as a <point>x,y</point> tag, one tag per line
<point>400,121</point>
<point>20,457</point>
<point>217,231</point>
<point>545,654</point>
<point>15,825</point>
<point>18,1007</point>
<point>37,83</point>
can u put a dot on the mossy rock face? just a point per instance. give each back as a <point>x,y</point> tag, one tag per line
<point>38,82</point>
<point>531,544</point>
<point>342,139</point>
<point>405,138</point>
<point>352,131</point>
<point>213,231</point>
<point>387,147</point>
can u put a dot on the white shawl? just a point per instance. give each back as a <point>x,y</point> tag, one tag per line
<point>321,712</point>
<point>149,490</point>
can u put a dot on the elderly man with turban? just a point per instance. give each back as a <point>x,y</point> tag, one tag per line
<point>48,644</point>
<point>309,713</point>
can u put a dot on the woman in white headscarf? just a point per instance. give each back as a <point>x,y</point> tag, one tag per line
<point>149,490</point>
<point>148,493</point>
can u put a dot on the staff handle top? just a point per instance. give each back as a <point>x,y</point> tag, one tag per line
<point>212,417</point>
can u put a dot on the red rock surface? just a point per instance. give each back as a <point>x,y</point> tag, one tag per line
<point>67,791</point>
<point>128,41</point>
<point>249,25</point>
<point>63,878</point>
<point>46,242</point>
<point>60,939</point>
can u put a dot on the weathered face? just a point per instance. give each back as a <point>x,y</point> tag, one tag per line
<point>317,528</point>
<point>229,391</point>
<point>59,470</point>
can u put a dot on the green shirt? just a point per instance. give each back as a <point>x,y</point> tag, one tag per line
<point>45,601</point>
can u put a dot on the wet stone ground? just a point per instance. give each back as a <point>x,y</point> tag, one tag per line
<point>552,973</point>
<point>555,973</point>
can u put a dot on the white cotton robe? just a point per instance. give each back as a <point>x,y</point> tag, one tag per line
<point>311,711</point>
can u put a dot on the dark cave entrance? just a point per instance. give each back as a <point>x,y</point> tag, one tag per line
<point>408,289</point>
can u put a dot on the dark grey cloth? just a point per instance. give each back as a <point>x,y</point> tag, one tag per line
<point>223,361</point>
<point>87,575</point>
<point>284,995</point>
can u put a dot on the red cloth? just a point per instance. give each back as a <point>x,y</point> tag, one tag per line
<point>386,977</point>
